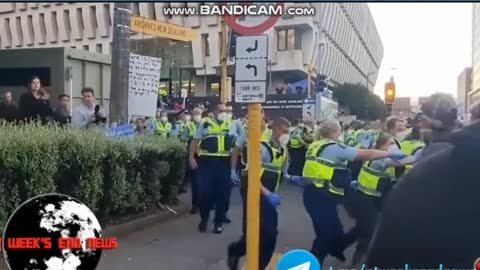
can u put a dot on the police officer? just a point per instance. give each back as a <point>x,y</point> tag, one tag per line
<point>414,143</point>
<point>327,177</point>
<point>364,199</point>
<point>213,143</point>
<point>274,161</point>
<point>161,126</point>
<point>396,127</point>
<point>432,217</point>
<point>179,129</point>
<point>297,148</point>
<point>192,174</point>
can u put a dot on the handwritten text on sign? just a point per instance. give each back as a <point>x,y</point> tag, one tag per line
<point>144,76</point>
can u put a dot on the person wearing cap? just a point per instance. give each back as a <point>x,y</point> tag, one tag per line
<point>440,116</point>
<point>432,215</point>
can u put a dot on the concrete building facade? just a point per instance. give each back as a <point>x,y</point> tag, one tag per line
<point>342,35</point>
<point>474,94</point>
<point>464,86</point>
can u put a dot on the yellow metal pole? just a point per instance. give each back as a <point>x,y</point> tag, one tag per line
<point>223,60</point>
<point>253,195</point>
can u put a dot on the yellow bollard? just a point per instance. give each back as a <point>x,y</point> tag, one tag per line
<point>253,195</point>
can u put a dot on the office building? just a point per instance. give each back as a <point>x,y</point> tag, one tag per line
<point>464,86</point>
<point>474,94</point>
<point>349,46</point>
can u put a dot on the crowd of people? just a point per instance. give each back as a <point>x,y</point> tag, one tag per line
<point>356,166</point>
<point>36,105</point>
<point>416,175</point>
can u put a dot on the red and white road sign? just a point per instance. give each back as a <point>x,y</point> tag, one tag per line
<point>250,30</point>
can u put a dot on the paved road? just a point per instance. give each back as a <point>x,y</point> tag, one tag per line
<point>177,245</point>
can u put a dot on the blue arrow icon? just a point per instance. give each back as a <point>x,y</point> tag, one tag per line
<point>298,260</point>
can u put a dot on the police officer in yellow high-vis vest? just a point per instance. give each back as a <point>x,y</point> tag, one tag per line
<point>192,174</point>
<point>274,161</point>
<point>327,177</point>
<point>363,200</point>
<point>414,143</point>
<point>213,143</point>
<point>161,126</point>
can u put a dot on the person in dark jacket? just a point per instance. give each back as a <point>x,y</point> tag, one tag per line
<point>433,216</point>
<point>61,115</point>
<point>8,108</point>
<point>35,103</point>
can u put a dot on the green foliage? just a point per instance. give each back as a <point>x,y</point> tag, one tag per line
<point>113,177</point>
<point>360,101</point>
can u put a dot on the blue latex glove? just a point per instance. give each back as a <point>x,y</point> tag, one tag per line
<point>234,177</point>
<point>397,155</point>
<point>298,181</point>
<point>274,199</point>
<point>366,141</point>
<point>354,184</point>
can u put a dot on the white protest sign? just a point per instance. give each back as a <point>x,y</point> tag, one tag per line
<point>144,76</point>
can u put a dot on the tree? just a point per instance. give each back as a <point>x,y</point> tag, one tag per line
<point>360,101</point>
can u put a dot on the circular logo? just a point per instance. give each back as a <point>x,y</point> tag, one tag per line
<point>298,260</point>
<point>52,231</point>
<point>232,21</point>
<point>477,264</point>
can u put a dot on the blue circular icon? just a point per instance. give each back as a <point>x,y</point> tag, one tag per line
<point>298,260</point>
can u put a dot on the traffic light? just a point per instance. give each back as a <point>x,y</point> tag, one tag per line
<point>390,93</point>
<point>321,83</point>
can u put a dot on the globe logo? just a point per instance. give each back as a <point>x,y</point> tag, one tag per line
<point>52,232</point>
<point>298,260</point>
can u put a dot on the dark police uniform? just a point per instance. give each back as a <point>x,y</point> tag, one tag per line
<point>273,160</point>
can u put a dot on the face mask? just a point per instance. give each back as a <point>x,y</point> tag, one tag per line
<point>188,118</point>
<point>164,119</point>
<point>197,118</point>
<point>283,140</point>
<point>229,116</point>
<point>401,135</point>
<point>221,117</point>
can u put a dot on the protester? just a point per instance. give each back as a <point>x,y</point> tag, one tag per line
<point>35,103</point>
<point>61,114</point>
<point>8,108</point>
<point>89,114</point>
<point>140,126</point>
<point>431,217</point>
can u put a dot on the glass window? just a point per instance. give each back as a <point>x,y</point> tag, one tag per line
<point>214,89</point>
<point>282,40</point>
<point>205,45</point>
<point>289,39</point>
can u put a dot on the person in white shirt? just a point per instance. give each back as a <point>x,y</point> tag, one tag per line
<point>89,113</point>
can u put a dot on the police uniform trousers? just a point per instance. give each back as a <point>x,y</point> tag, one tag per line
<point>321,205</point>
<point>268,230</point>
<point>355,167</point>
<point>297,160</point>
<point>191,175</point>
<point>213,178</point>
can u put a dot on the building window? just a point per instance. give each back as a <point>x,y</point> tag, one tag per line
<point>205,45</point>
<point>214,89</point>
<point>289,39</point>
